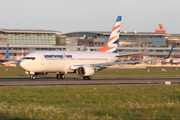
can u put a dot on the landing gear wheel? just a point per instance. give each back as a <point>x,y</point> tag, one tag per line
<point>32,77</point>
<point>62,76</point>
<point>58,76</point>
<point>87,77</point>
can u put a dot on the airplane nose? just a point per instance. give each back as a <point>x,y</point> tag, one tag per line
<point>23,64</point>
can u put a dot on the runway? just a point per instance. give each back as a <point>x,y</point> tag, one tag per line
<point>70,81</point>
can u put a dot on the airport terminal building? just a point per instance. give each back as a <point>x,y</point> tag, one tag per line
<point>27,37</point>
<point>155,44</point>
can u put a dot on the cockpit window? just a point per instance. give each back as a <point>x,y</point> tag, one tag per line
<point>30,58</point>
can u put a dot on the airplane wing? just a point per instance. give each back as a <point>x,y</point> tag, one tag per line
<point>73,67</point>
<point>136,61</point>
<point>7,56</point>
<point>126,54</point>
<point>115,63</point>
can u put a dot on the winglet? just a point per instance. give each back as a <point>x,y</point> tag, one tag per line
<point>169,52</point>
<point>7,51</point>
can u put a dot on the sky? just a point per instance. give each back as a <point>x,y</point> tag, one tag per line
<point>90,15</point>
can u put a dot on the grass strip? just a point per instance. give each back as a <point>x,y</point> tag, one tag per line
<point>12,72</point>
<point>90,102</point>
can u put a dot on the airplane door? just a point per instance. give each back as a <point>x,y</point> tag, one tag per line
<point>42,60</point>
<point>42,65</point>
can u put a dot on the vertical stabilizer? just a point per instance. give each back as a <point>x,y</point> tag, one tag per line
<point>7,52</point>
<point>7,55</point>
<point>112,44</point>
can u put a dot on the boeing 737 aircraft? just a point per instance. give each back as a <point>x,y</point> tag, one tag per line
<point>83,63</point>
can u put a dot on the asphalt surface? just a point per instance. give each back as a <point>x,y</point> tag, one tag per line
<point>68,81</point>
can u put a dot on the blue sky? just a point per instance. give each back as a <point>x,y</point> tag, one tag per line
<point>90,15</point>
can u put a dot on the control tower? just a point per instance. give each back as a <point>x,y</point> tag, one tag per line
<point>161,29</point>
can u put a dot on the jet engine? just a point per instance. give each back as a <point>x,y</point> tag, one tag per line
<point>85,71</point>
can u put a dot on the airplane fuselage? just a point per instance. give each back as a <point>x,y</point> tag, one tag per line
<point>60,61</point>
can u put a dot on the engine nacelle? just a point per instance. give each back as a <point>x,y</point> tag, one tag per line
<point>85,71</point>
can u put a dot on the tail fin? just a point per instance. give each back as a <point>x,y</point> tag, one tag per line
<point>7,52</point>
<point>170,52</point>
<point>112,44</point>
<point>7,55</point>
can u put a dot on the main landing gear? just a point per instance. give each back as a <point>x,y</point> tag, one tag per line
<point>87,77</point>
<point>60,76</point>
<point>32,77</point>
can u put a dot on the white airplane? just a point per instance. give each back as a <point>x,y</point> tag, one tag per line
<point>83,63</point>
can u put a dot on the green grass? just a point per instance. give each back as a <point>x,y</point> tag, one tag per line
<point>90,102</point>
<point>107,73</point>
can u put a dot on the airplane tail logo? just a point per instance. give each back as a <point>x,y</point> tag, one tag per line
<point>112,44</point>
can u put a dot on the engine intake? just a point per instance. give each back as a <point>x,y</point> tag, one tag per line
<point>85,71</point>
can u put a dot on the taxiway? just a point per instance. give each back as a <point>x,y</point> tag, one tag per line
<point>69,81</point>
